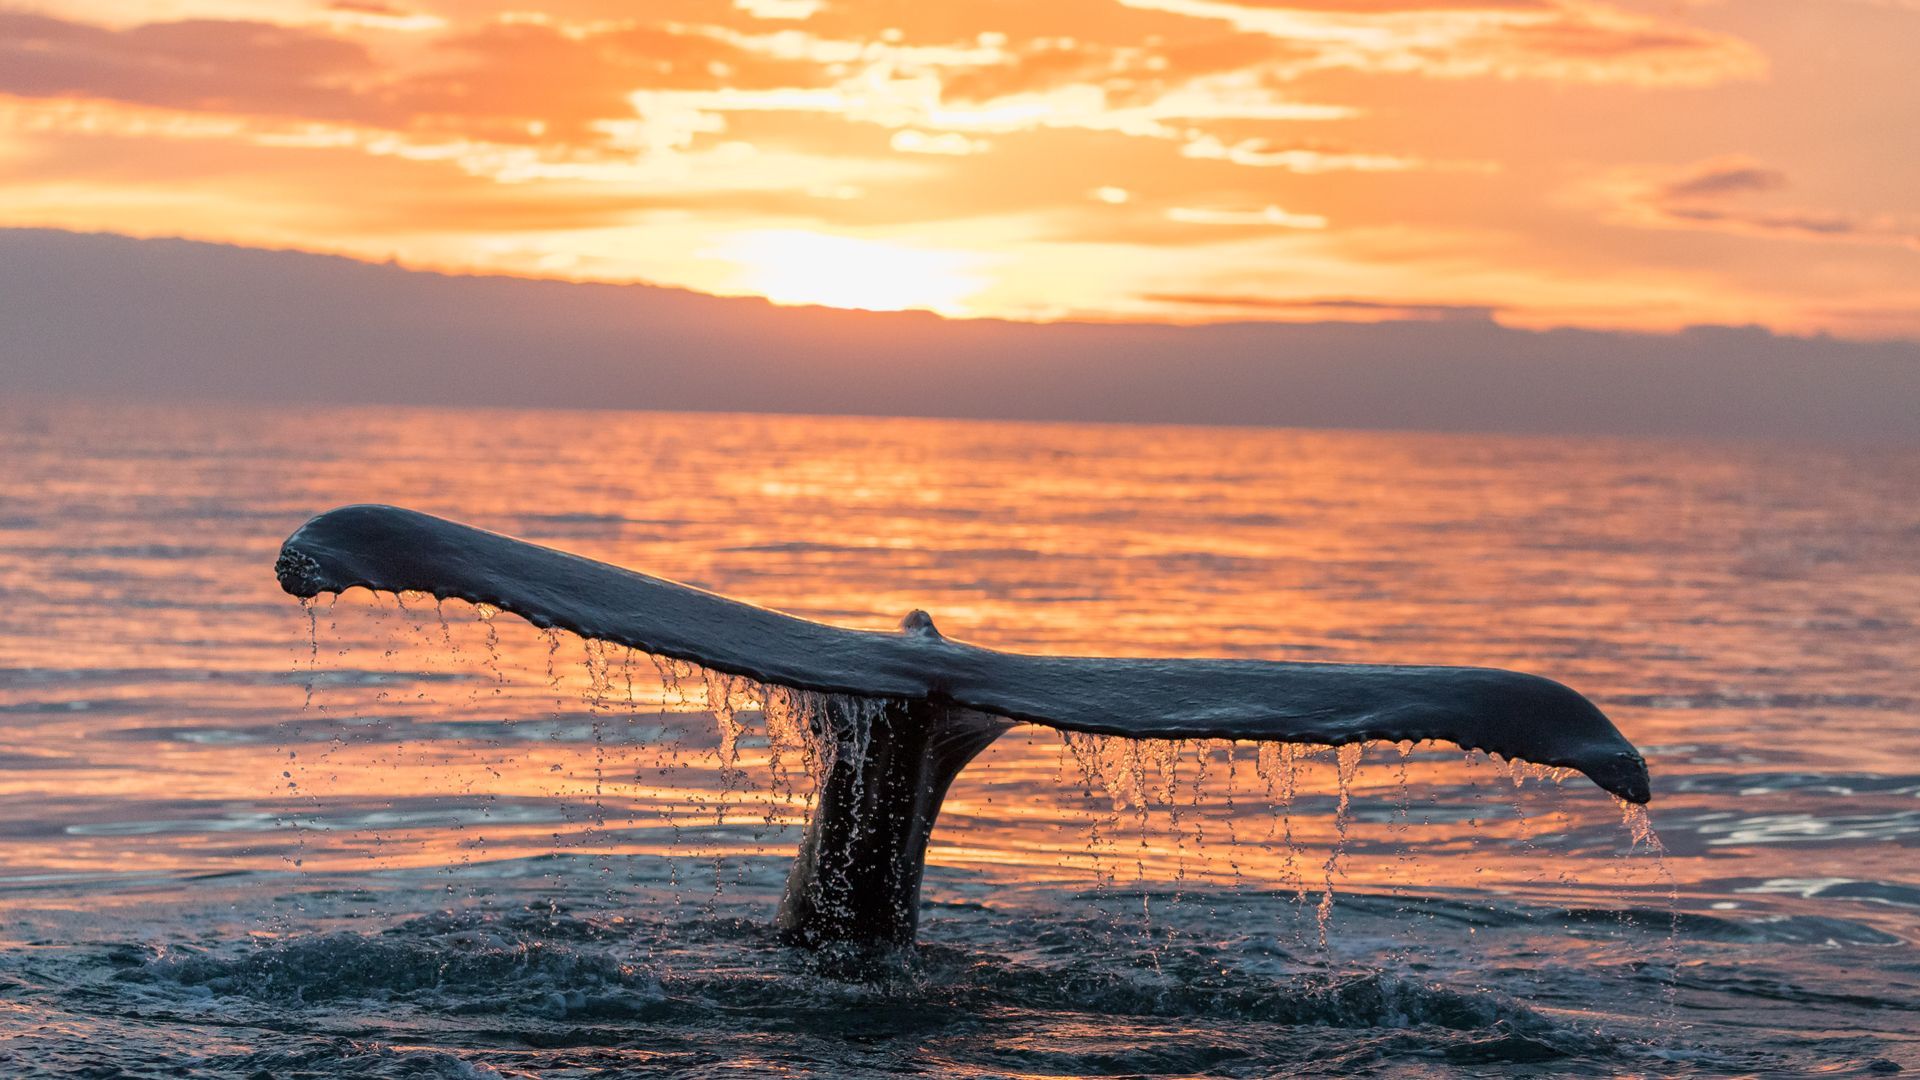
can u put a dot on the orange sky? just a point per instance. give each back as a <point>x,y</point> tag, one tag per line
<point>1561,162</point>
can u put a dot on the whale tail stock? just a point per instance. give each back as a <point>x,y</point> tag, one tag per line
<point>937,702</point>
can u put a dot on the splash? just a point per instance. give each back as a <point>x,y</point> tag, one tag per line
<point>1639,825</point>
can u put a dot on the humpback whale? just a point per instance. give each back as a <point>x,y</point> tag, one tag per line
<point>902,713</point>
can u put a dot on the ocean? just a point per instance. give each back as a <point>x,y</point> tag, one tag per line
<point>375,837</point>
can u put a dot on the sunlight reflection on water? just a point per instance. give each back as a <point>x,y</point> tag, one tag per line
<point>177,732</point>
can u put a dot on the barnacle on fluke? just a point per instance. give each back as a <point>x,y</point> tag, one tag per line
<point>298,573</point>
<point>904,712</point>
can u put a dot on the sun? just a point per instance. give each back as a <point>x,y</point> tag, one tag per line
<point>790,266</point>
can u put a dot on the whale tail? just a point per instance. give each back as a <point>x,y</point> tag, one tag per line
<point>940,701</point>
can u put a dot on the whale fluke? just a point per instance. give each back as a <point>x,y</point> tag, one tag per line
<point>942,701</point>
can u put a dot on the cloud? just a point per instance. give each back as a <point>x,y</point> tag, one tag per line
<point>515,81</point>
<point>1397,7</point>
<point>202,65</point>
<point>909,141</point>
<point>137,168</point>
<point>1129,71</point>
<point>507,76</point>
<point>583,95</point>
<point>1268,216</point>
<point>1262,153</point>
<point>1713,195</point>
<point>1719,176</point>
<point>529,97</point>
<point>1336,309</point>
<point>346,13</point>
<point>799,10</point>
<point>1582,41</point>
<point>1585,42</point>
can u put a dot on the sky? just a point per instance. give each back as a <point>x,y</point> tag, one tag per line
<point>1606,164</point>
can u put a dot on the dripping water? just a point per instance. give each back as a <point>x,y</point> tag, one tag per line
<point>1346,764</point>
<point>775,746</point>
<point>1642,837</point>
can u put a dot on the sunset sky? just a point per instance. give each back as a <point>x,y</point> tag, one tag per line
<point>1624,164</point>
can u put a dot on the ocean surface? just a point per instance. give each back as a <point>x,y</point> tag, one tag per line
<point>241,837</point>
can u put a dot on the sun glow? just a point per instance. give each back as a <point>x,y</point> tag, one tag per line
<point>1159,160</point>
<point>796,267</point>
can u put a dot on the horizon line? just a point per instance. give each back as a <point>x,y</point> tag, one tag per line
<point>1455,314</point>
